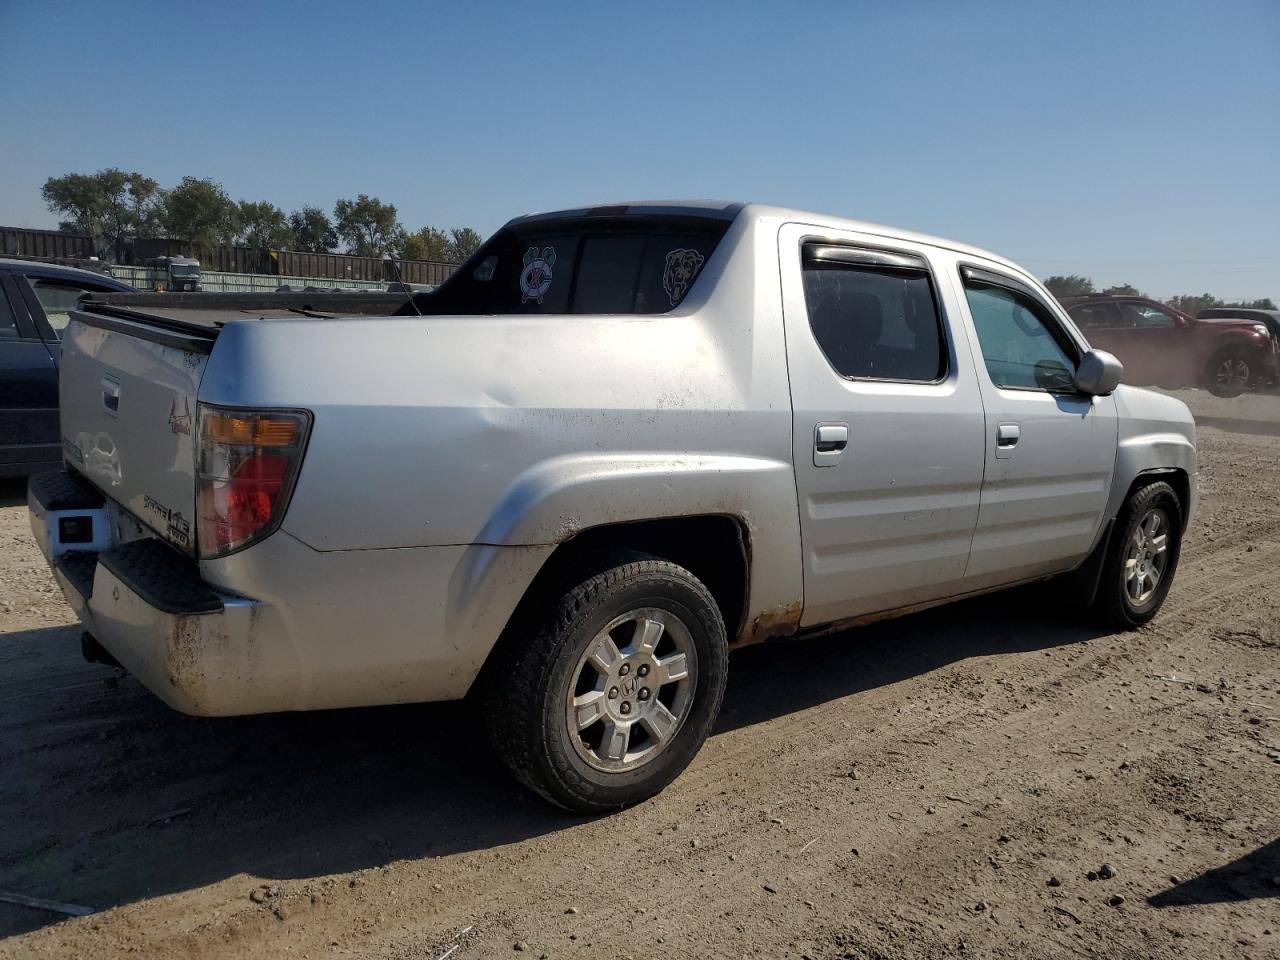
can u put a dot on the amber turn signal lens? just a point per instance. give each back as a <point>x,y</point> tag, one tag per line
<point>260,431</point>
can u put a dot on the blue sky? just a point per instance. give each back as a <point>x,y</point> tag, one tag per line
<point>1129,141</point>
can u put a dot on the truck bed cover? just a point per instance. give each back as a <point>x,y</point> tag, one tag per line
<point>206,312</point>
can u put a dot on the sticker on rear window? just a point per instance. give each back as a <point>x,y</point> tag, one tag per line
<point>535,278</point>
<point>682,266</point>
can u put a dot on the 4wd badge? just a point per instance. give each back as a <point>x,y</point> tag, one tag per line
<point>535,278</point>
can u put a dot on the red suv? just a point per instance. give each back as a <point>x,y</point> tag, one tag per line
<point>1161,346</point>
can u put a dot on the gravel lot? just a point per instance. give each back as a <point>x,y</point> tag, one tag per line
<point>943,785</point>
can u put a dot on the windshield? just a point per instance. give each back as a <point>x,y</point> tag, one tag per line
<point>184,270</point>
<point>624,265</point>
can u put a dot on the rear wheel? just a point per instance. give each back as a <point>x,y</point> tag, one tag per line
<point>1142,557</point>
<point>604,700</point>
<point>1228,373</point>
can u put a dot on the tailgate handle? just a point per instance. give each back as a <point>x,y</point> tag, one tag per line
<point>111,395</point>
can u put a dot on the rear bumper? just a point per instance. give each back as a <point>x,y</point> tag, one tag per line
<point>281,626</point>
<point>146,604</point>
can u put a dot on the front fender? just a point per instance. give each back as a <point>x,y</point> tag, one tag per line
<point>1157,434</point>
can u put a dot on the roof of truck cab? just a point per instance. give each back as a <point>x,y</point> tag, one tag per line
<point>56,271</point>
<point>731,210</point>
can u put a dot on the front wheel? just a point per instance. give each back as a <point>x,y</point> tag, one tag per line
<point>604,699</point>
<point>1228,374</point>
<point>1141,558</point>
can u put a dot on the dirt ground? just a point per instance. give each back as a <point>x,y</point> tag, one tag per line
<point>943,785</point>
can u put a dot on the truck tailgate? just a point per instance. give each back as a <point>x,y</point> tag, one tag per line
<point>128,411</point>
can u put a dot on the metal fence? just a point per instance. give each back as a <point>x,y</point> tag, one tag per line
<point>215,281</point>
<point>290,263</point>
<point>284,266</point>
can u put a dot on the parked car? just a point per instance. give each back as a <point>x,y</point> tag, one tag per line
<point>1270,318</point>
<point>1162,346</point>
<point>35,300</point>
<point>619,443</point>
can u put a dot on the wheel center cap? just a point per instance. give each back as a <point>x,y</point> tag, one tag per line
<point>629,686</point>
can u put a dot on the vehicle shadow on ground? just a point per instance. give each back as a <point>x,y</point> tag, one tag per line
<point>1253,876</point>
<point>13,493</point>
<point>110,797</point>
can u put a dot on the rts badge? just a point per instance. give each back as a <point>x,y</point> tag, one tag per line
<point>535,278</point>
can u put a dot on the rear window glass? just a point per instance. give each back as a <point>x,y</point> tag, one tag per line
<point>874,323</point>
<point>626,266</point>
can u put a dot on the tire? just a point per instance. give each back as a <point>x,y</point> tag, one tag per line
<point>557,668</point>
<point>1228,373</point>
<point>1121,600</point>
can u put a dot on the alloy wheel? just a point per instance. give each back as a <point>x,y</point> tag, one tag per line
<point>632,690</point>
<point>1147,556</point>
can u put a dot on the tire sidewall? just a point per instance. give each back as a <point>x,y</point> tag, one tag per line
<point>698,612</point>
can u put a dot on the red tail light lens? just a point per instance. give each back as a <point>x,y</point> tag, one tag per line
<point>246,465</point>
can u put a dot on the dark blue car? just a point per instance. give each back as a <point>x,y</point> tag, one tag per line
<point>35,302</point>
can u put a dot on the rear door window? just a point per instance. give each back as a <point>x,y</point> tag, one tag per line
<point>8,320</point>
<point>58,298</point>
<point>874,321</point>
<point>1098,316</point>
<point>1146,316</point>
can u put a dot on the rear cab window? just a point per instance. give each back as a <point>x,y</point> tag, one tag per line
<point>587,265</point>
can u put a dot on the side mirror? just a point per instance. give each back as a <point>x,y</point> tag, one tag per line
<point>1098,374</point>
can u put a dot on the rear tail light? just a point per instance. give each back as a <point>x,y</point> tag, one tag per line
<point>246,465</point>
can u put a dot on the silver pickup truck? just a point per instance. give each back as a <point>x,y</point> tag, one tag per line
<point>617,443</point>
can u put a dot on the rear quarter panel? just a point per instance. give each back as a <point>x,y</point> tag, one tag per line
<point>520,431</point>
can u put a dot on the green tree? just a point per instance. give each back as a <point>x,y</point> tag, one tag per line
<point>1072,286</point>
<point>367,226</point>
<point>1266,303</point>
<point>263,225</point>
<point>1124,290</point>
<point>199,210</point>
<point>312,230</point>
<point>81,201</point>
<point>1193,303</point>
<point>109,206</point>
<point>463,242</point>
<point>426,244</point>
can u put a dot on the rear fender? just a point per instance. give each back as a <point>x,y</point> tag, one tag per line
<point>559,498</point>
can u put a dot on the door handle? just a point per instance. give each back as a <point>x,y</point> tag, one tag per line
<point>829,442</point>
<point>111,395</point>
<point>831,437</point>
<point>1007,436</point>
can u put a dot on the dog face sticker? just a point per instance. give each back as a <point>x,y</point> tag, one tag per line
<point>535,278</point>
<point>681,269</point>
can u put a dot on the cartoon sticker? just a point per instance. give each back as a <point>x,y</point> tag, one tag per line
<point>535,278</point>
<point>682,266</point>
